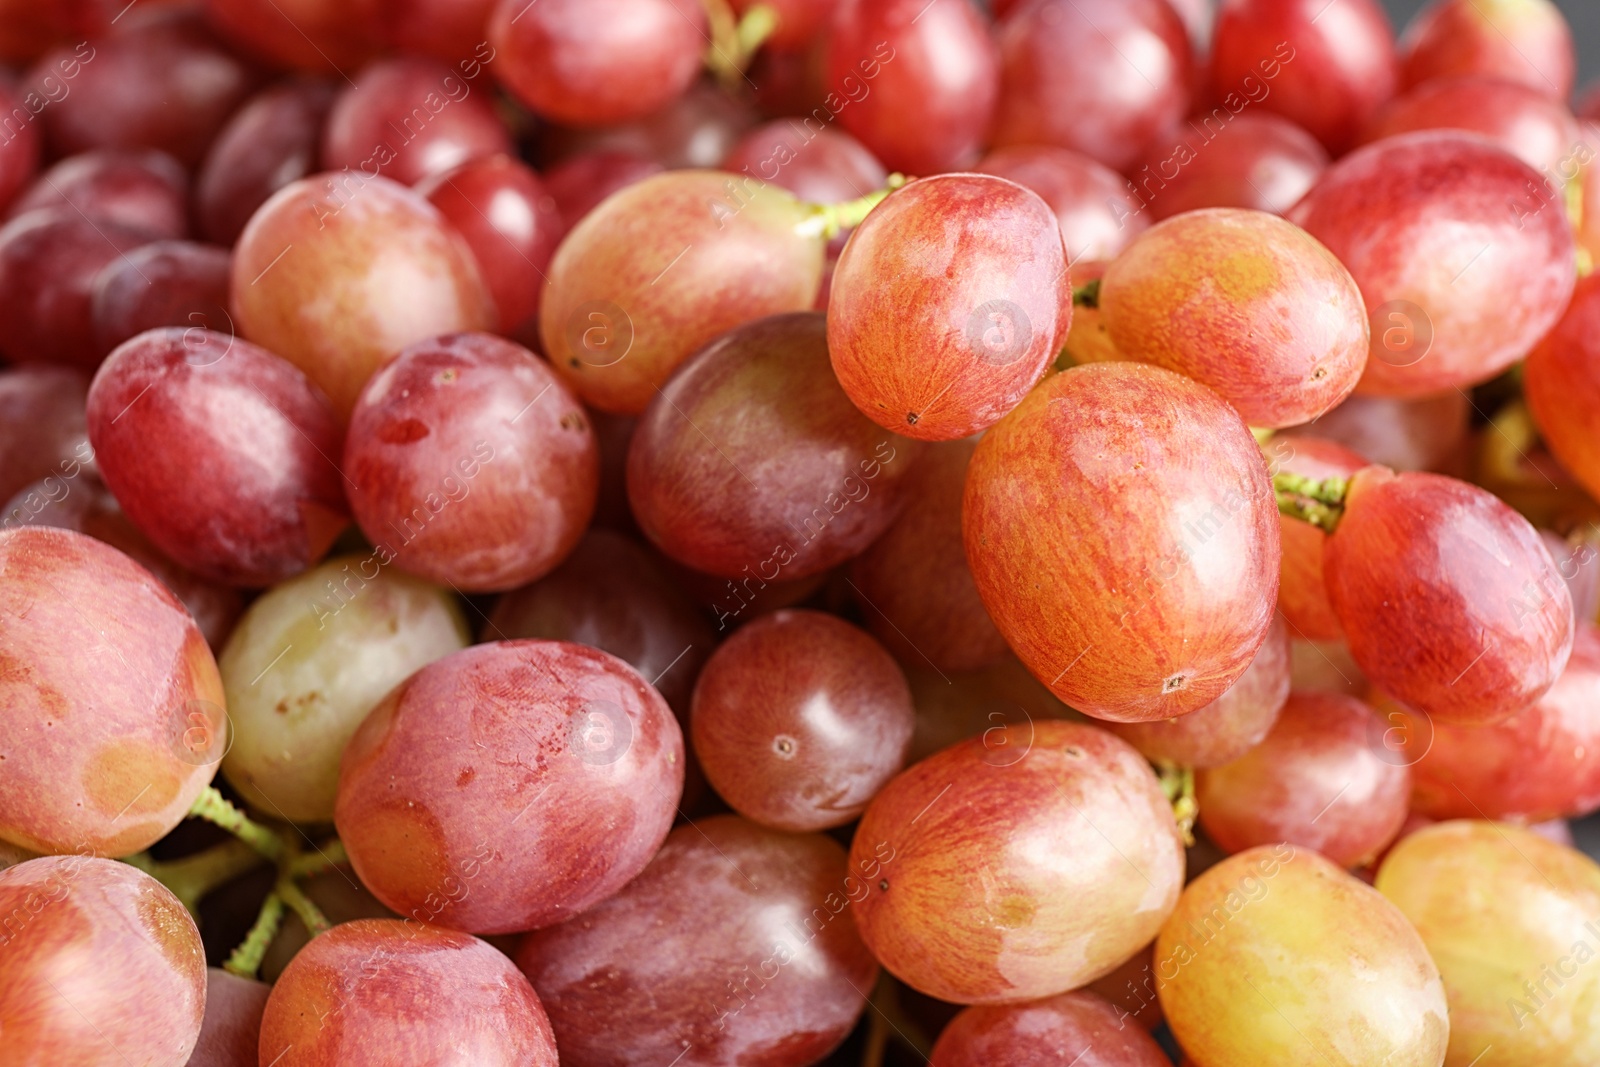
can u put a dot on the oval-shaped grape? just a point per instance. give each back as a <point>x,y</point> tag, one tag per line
<point>43,430</point>
<point>1526,41</point>
<point>1148,610</point>
<point>113,718</point>
<point>970,902</point>
<point>1561,381</point>
<point>1042,1034</point>
<point>139,188</point>
<point>1521,119</point>
<point>308,661</point>
<point>755,962</point>
<point>947,305</point>
<point>819,165</point>
<point>166,283</point>
<point>1097,212</point>
<point>510,786</point>
<point>1255,160</point>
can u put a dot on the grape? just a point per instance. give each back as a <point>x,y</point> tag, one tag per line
<point>48,264</point>
<point>369,267</point>
<point>947,305</point>
<point>799,22</point>
<point>1325,67</point>
<point>471,464</point>
<point>753,465</point>
<point>510,786</point>
<point>410,119</point>
<point>19,149</point>
<point>615,596</point>
<point>447,30</point>
<point>165,413</point>
<point>307,663</point>
<point>1257,160</point>
<point>1097,213</point>
<point>597,62</point>
<point>968,898</point>
<point>1246,303</point>
<point>43,431</point>
<point>753,956</point>
<point>1276,956</point>
<point>1319,781</point>
<point>269,142</point>
<point>1302,591</point>
<point>1524,41</point>
<point>1431,225</point>
<point>108,685</point>
<point>141,189</point>
<point>380,992</point>
<point>86,506</point>
<point>1147,610</point>
<point>663,267</point>
<point>952,708</point>
<point>231,1032</point>
<point>1542,763</point>
<point>165,283</point>
<point>1561,381</point>
<point>166,84</point>
<point>1520,118</point>
<point>915,588</point>
<point>583,181</point>
<point>1427,433</point>
<point>510,222</point>
<point>326,36</point>
<point>1484,623</point>
<point>915,82</point>
<point>102,966</point>
<point>820,166</point>
<point>696,130</point>
<point>1101,77</point>
<point>1045,1034</point>
<point>799,719</point>
<point>1228,727</point>
<point>1324,667</point>
<point>1507,916</point>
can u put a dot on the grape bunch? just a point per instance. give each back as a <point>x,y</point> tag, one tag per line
<point>770,533</point>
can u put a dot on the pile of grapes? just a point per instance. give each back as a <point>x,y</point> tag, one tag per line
<point>759,533</point>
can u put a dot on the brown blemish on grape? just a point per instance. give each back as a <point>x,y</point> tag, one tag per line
<point>17,674</point>
<point>466,776</point>
<point>1173,684</point>
<point>130,777</point>
<point>403,432</point>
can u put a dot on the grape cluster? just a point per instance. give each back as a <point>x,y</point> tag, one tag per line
<point>762,533</point>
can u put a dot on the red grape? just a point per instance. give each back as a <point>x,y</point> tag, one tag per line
<point>1325,66</point>
<point>102,966</point>
<point>49,261</point>
<point>915,82</point>
<point>1448,598</point>
<point>968,899</point>
<point>583,181</point>
<point>138,188</point>
<point>916,590</point>
<point>447,30</point>
<point>1321,780</point>
<point>698,129</point>
<point>336,273</point>
<point>597,62</point>
<point>799,719</point>
<point>1097,212</point>
<point>410,119</point>
<point>1229,726</point>
<point>953,708</point>
<point>1521,119</point>
<point>1074,1028</point>
<point>1525,41</point>
<point>1246,303</point>
<point>510,786</point>
<point>379,992</point>
<point>1561,381</point>
<point>20,148</point>
<point>664,266</point>
<point>752,463</point>
<point>1257,160</point>
<point>327,36</point>
<point>1432,225</point>
<point>166,283</point>
<point>164,416</point>
<point>231,1032</point>
<point>43,430</point>
<point>1427,433</point>
<point>1153,607</point>
<point>1102,77</point>
<point>947,305</point>
<point>510,222</point>
<point>820,166</point>
<point>736,945</point>
<point>269,142</point>
<point>1302,592</point>
<point>463,471</point>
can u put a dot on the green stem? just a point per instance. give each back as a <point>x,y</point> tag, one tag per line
<point>734,40</point>
<point>1087,295</point>
<point>213,807</point>
<point>246,959</point>
<point>192,877</point>
<point>1321,503</point>
<point>827,221</point>
<point>309,913</point>
<point>1178,783</point>
<point>310,864</point>
<point>757,25</point>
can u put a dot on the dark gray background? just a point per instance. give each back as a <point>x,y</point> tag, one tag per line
<point>1584,15</point>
